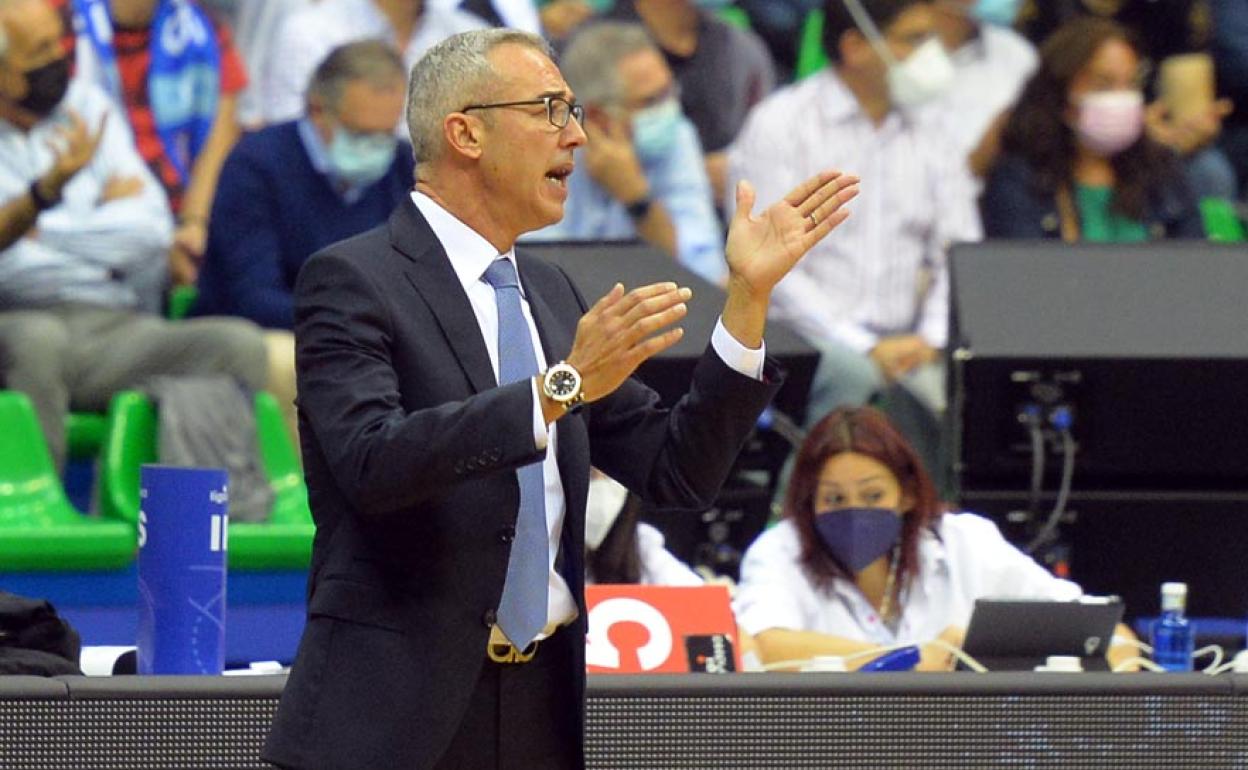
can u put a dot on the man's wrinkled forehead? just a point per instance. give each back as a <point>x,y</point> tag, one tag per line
<point>524,72</point>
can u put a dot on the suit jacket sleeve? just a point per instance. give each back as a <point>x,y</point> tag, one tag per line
<point>679,458</point>
<point>384,457</point>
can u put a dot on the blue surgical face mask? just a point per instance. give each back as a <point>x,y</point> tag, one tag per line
<point>360,159</point>
<point>654,129</point>
<point>858,536</point>
<point>999,12</point>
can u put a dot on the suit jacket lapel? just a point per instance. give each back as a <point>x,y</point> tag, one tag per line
<point>433,278</point>
<point>556,337</point>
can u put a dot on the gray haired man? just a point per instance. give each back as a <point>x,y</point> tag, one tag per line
<point>451,394</point>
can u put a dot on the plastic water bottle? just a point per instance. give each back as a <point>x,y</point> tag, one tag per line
<point>1172,635</point>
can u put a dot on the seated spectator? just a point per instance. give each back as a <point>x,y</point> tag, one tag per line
<point>1230,54</point>
<point>256,23</point>
<point>1164,32</point>
<point>85,224</point>
<point>873,300</point>
<point>991,62</point>
<point>641,173</point>
<point>291,189</point>
<point>866,556</point>
<point>176,72</point>
<point>308,35</point>
<point>723,71</point>
<point>780,24</point>
<point>620,548</point>
<point>560,18</point>
<point>1077,163</point>
<point>516,14</point>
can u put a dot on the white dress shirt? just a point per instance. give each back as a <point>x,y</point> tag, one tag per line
<point>965,559</point>
<point>992,69</point>
<point>81,250</point>
<point>309,34</point>
<point>470,254</point>
<point>883,271</point>
<point>255,31</point>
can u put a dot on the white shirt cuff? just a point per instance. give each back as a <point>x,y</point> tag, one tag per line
<point>737,356</point>
<point>539,424</point>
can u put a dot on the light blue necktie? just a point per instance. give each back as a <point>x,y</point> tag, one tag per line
<point>522,610</point>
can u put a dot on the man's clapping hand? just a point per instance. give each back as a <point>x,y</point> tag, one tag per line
<point>72,148</point>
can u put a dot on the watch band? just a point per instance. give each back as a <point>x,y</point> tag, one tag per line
<point>639,208</point>
<point>42,202</point>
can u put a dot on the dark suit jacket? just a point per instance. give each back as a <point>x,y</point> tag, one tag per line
<point>410,450</point>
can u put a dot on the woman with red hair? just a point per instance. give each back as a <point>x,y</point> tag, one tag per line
<point>866,556</point>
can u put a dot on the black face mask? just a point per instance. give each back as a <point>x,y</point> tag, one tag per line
<point>46,87</point>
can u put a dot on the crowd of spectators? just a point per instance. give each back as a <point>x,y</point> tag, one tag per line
<point>153,144</point>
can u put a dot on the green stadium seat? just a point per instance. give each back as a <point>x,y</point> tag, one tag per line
<point>1221,220</point>
<point>282,542</point>
<point>810,55</point>
<point>39,529</point>
<point>85,433</point>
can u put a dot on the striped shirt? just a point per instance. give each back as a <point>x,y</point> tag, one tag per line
<point>883,271</point>
<point>133,46</point>
<point>310,34</point>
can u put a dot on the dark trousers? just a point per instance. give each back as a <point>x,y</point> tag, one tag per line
<point>522,716</point>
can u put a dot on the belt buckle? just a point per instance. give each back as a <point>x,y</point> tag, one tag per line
<point>506,652</point>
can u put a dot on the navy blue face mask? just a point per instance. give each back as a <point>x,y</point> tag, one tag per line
<point>858,536</point>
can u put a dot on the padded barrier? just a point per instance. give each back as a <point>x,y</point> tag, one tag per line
<point>753,722</point>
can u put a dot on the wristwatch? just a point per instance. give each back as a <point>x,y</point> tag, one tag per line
<point>639,208</point>
<point>562,384</point>
<point>42,202</point>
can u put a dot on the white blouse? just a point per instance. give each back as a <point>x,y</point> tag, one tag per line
<point>964,559</point>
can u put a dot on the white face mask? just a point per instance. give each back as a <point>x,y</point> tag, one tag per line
<point>924,75</point>
<point>606,500</point>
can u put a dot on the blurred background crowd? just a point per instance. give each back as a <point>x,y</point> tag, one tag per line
<point>166,166</point>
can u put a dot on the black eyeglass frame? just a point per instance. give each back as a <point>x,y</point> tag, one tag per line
<point>575,111</point>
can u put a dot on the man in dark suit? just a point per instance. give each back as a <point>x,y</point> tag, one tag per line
<point>425,473</point>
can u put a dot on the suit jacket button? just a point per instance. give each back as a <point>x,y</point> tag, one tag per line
<point>459,467</point>
<point>507,534</point>
<point>495,455</point>
<point>489,618</point>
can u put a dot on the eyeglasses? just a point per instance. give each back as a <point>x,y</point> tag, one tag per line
<point>558,110</point>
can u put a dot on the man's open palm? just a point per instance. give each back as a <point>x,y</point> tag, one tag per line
<point>763,248</point>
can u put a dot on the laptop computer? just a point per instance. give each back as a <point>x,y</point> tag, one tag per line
<point>1019,634</point>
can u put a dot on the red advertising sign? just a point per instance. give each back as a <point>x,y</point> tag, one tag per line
<point>637,629</point>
